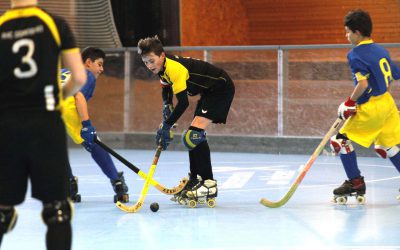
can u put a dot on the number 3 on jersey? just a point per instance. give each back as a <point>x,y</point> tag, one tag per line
<point>26,59</point>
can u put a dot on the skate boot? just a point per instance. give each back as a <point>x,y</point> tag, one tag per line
<point>120,189</point>
<point>203,192</point>
<point>354,187</point>
<point>181,197</point>
<point>73,190</point>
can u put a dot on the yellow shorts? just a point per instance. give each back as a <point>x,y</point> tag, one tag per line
<point>376,121</point>
<point>72,120</point>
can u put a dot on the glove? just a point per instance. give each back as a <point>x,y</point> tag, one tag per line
<point>167,110</point>
<point>164,135</point>
<point>88,132</point>
<point>347,109</point>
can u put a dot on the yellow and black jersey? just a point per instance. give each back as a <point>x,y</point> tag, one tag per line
<point>185,73</point>
<point>31,41</point>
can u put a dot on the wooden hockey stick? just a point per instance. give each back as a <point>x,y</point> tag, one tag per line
<point>158,186</point>
<point>136,207</point>
<point>305,169</point>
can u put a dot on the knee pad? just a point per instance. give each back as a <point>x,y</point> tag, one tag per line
<point>192,138</point>
<point>341,144</point>
<point>8,219</point>
<point>384,152</point>
<point>57,212</point>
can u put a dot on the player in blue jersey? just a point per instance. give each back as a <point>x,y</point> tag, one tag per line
<point>371,112</point>
<point>81,130</point>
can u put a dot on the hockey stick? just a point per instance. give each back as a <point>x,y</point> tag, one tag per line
<point>158,186</point>
<point>305,169</point>
<point>136,207</point>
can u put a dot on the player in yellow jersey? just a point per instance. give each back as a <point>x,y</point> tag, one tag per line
<point>33,140</point>
<point>183,77</point>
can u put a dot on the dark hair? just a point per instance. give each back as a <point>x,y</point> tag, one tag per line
<point>150,44</point>
<point>359,20</point>
<point>93,53</point>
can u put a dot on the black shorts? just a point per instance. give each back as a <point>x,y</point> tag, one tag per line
<point>215,103</point>
<point>32,146</point>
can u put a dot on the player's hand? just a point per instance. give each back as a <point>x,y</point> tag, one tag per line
<point>88,132</point>
<point>164,135</point>
<point>347,109</point>
<point>167,110</point>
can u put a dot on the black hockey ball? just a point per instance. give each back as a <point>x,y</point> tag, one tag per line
<point>154,206</point>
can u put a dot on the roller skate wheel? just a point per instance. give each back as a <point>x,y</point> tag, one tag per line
<point>182,201</point>
<point>360,199</point>
<point>341,200</point>
<point>77,198</point>
<point>211,203</point>
<point>192,204</point>
<point>123,198</point>
<point>398,197</point>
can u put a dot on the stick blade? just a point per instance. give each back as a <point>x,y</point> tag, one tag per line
<point>272,204</point>
<point>129,209</point>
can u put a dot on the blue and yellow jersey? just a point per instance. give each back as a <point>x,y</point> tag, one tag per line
<point>31,41</point>
<point>194,75</point>
<point>87,89</point>
<point>370,61</point>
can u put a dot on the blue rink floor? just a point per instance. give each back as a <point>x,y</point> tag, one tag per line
<point>308,221</point>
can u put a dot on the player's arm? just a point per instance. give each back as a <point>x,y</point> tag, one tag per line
<point>73,61</point>
<point>88,131</point>
<point>348,107</point>
<point>164,136</point>
<point>81,106</point>
<point>167,96</point>
<point>360,88</point>
<point>181,106</point>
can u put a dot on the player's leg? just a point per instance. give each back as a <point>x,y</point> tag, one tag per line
<point>355,183</point>
<point>104,161</point>
<point>13,170</point>
<point>57,216</point>
<point>212,107</point>
<point>48,168</point>
<point>393,153</point>
<point>73,126</point>
<point>195,141</point>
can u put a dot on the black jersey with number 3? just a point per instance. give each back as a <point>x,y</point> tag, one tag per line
<point>31,41</point>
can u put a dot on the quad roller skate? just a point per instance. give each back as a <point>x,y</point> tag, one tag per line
<point>203,192</point>
<point>354,187</point>
<point>120,188</point>
<point>398,197</point>
<point>181,196</point>
<point>73,190</point>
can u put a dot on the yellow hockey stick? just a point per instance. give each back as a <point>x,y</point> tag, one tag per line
<point>158,186</point>
<point>305,169</point>
<point>136,207</point>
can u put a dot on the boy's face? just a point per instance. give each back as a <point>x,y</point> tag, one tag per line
<point>353,37</point>
<point>96,66</point>
<point>153,62</point>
